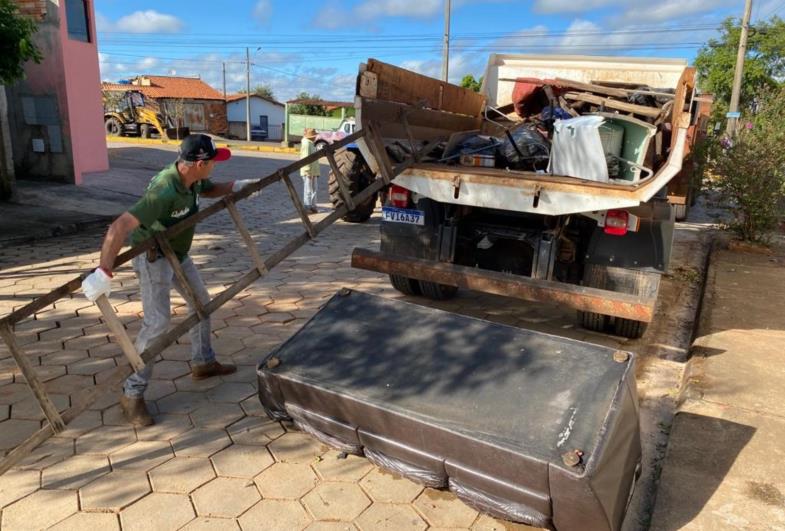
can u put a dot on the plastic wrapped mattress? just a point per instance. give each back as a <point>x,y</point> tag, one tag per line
<point>524,426</point>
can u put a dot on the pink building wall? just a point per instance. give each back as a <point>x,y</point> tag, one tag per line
<point>85,107</point>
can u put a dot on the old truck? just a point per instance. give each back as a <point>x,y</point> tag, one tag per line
<point>129,113</point>
<point>555,183</point>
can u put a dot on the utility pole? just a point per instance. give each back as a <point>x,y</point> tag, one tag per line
<point>733,119</point>
<point>247,95</point>
<point>446,46</point>
<point>224,70</point>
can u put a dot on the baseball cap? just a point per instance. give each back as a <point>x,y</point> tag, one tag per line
<point>201,147</point>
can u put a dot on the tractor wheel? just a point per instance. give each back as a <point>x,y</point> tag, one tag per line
<point>357,176</point>
<point>113,127</point>
<point>437,292</point>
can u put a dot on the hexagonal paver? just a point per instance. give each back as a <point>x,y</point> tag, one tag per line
<point>13,393</point>
<point>253,407</point>
<point>486,523</point>
<point>239,461</point>
<point>16,484</point>
<point>286,481</point>
<point>384,487</point>
<point>200,443</point>
<point>216,415</point>
<point>211,523</point>
<point>114,491</point>
<point>75,472</point>
<point>158,511</point>
<point>296,448</point>
<point>158,389</point>
<point>227,497</point>
<point>27,513</point>
<point>336,501</point>
<point>169,370</point>
<point>350,468</point>
<point>255,431</point>
<point>231,392</point>
<point>275,514</point>
<point>181,402</point>
<point>16,431</point>
<point>331,526</point>
<point>182,475</point>
<point>144,455</point>
<point>105,440</point>
<point>444,509</point>
<point>166,428</point>
<point>390,516</point>
<point>82,521</point>
<point>85,422</point>
<point>53,451</point>
<point>30,410</point>
<point>91,366</point>
<point>5,411</point>
<point>68,384</point>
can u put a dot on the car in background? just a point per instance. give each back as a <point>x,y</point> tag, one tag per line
<point>345,129</point>
<point>258,133</point>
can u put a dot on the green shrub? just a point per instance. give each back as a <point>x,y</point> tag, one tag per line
<point>749,169</point>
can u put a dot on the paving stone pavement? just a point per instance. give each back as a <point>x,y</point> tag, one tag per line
<point>213,460</point>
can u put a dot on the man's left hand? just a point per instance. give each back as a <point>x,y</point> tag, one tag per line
<point>242,183</point>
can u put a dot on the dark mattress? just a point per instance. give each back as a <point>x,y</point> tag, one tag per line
<point>523,425</point>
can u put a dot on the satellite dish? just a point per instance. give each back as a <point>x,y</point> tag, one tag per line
<point>172,72</point>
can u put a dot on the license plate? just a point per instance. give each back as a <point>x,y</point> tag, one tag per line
<point>403,215</point>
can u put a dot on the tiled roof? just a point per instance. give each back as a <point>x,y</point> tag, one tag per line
<point>169,87</point>
<point>234,97</point>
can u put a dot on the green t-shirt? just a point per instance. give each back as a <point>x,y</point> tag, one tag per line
<point>167,201</point>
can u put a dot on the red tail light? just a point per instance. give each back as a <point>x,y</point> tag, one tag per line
<point>616,222</point>
<point>399,196</point>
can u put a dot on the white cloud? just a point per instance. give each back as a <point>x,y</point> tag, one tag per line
<point>262,11</point>
<point>460,65</point>
<point>149,21</point>
<point>571,6</point>
<point>373,9</point>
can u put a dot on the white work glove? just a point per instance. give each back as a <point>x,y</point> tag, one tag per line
<point>96,284</point>
<point>242,183</point>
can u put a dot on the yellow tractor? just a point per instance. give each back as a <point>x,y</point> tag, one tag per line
<point>128,113</point>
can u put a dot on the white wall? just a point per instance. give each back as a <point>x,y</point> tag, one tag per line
<point>235,112</point>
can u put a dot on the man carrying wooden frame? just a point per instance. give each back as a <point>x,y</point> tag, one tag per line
<point>172,195</point>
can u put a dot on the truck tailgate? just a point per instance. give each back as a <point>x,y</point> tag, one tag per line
<point>522,425</point>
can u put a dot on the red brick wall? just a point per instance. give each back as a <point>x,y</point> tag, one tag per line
<point>32,8</point>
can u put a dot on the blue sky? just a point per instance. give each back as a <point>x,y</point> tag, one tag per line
<point>317,46</point>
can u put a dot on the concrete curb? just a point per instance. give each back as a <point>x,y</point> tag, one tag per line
<point>62,229</point>
<point>238,147</point>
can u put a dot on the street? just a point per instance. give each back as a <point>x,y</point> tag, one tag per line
<point>213,458</point>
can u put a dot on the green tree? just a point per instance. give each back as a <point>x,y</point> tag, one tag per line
<point>263,91</point>
<point>310,109</point>
<point>469,82</point>
<point>764,64</point>
<point>16,41</point>
<point>749,170</point>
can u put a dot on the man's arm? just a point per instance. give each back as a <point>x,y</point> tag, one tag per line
<point>115,237</point>
<point>218,190</point>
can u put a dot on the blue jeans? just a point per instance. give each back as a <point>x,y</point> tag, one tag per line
<point>310,184</point>
<point>155,282</point>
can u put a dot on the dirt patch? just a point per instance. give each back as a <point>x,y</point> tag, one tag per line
<point>765,492</point>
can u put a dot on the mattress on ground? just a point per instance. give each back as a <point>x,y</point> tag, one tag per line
<point>522,425</point>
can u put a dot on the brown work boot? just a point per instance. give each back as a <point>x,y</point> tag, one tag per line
<point>135,411</point>
<point>200,372</point>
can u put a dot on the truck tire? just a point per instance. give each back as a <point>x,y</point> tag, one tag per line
<point>357,176</point>
<point>406,285</point>
<point>145,130</point>
<point>437,292</point>
<point>113,127</point>
<point>632,282</point>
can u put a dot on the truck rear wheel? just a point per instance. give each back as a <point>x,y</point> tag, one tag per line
<point>620,280</point>
<point>406,285</point>
<point>437,292</point>
<point>357,176</point>
<point>113,127</point>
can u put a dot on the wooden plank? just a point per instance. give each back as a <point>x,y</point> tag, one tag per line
<point>298,205</point>
<point>579,297</point>
<point>35,385</point>
<point>589,87</point>
<point>246,236</point>
<point>425,124</point>
<point>117,328</point>
<point>650,112</point>
<point>179,274</point>
<point>340,178</point>
<point>404,86</point>
<point>376,144</point>
<point>683,91</point>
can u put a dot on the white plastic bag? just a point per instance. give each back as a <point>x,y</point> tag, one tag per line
<point>577,149</point>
